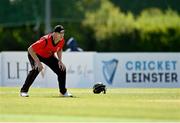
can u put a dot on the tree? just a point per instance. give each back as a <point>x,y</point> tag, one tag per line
<point>108,21</point>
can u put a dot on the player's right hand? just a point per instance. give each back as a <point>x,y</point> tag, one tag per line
<point>39,66</point>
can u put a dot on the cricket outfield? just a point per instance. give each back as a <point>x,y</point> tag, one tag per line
<point>118,105</point>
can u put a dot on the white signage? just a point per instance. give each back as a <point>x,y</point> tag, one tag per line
<point>138,69</point>
<point>84,69</point>
<point>15,69</point>
<point>79,66</point>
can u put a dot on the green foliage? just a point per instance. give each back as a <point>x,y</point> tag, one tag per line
<point>154,20</point>
<point>17,38</point>
<point>152,30</point>
<point>100,25</point>
<point>108,20</point>
<point>158,30</point>
<point>137,6</point>
<point>20,12</point>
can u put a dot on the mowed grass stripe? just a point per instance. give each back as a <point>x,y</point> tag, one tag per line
<point>117,105</point>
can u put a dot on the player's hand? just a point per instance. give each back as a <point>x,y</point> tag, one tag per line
<point>61,66</point>
<point>39,66</point>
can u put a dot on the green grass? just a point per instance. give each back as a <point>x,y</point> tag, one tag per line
<point>144,105</point>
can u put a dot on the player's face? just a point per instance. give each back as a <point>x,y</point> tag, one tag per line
<point>59,35</point>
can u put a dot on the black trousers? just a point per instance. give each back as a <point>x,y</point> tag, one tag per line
<point>52,62</point>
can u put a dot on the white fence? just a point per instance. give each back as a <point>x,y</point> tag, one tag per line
<point>84,69</point>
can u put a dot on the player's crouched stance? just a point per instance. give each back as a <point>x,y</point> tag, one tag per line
<point>44,51</point>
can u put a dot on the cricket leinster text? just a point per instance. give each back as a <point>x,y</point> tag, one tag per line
<point>151,72</point>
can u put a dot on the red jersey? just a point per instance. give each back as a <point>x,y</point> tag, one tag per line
<point>45,46</point>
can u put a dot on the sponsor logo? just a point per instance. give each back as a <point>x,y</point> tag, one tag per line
<point>109,69</point>
<point>149,71</point>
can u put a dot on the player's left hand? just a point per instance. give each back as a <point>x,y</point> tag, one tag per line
<point>61,66</point>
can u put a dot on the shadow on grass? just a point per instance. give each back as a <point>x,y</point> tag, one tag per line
<point>60,97</point>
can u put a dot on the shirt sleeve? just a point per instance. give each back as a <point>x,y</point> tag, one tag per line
<point>40,44</point>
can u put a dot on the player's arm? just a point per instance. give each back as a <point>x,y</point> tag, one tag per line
<point>33,54</point>
<point>59,55</point>
<point>36,59</point>
<point>32,51</point>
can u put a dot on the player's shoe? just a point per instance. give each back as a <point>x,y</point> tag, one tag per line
<point>67,94</point>
<point>24,94</point>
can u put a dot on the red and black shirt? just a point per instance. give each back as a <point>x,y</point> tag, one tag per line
<point>45,46</point>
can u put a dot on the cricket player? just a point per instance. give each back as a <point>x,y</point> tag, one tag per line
<point>44,51</point>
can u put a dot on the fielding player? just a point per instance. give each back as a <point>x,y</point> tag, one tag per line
<point>44,51</point>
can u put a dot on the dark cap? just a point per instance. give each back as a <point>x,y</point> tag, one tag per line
<point>58,28</point>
